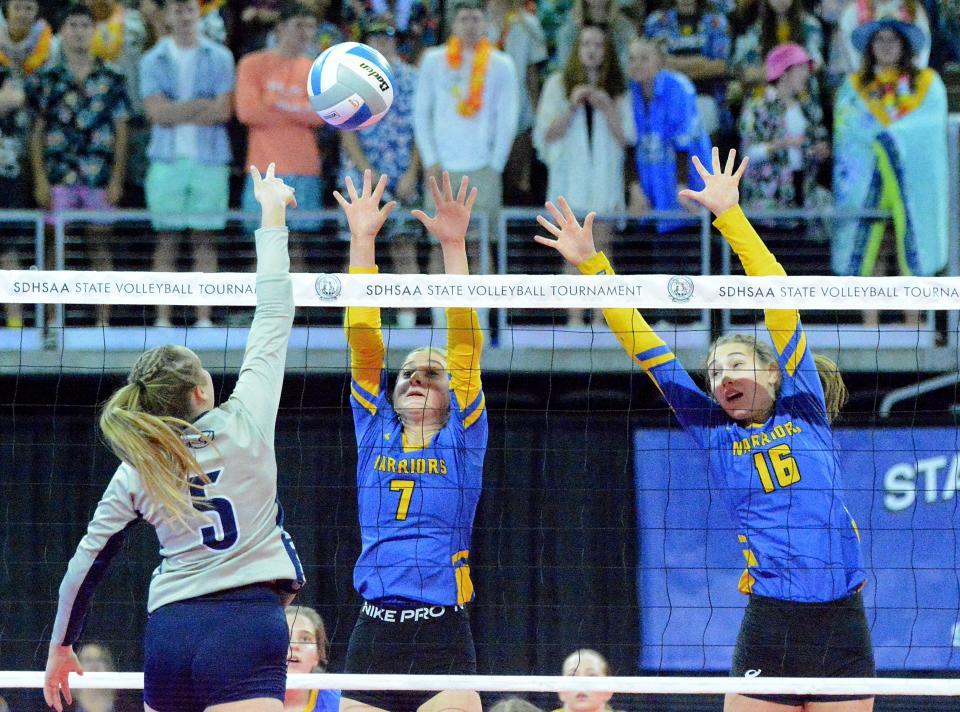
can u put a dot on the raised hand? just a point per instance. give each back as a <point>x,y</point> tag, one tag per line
<point>450,223</point>
<point>271,191</point>
<point>363,211</point>
<point>61,661</point>
<point>573,241</point>
<point>721,191</point>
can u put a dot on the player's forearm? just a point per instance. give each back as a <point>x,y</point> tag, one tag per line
<point>757,260</point>
<point>464,346</point>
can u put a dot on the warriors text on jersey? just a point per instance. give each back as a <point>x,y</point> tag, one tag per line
<point>240,538</point>
<point>416,505</point>
<point>780,479</point>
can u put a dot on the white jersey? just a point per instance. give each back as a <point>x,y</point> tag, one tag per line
<point>239,539</point>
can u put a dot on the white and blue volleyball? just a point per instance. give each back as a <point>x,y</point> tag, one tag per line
<point>351,86</point>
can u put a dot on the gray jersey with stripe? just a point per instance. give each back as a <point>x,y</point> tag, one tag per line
<point>240,539</point>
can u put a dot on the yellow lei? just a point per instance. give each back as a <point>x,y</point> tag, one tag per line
<point>478,74</point>
<point>890,97</point>
<point>42,36</point>
<point>108,37</point>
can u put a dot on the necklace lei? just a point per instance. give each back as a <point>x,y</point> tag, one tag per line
<point>108,37</point>
<point>894,93</point>
<point>478,73</point>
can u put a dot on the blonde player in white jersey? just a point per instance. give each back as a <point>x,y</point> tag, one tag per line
<point>206,478</point>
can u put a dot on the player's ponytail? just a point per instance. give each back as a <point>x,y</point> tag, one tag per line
<point>143,423</point>
<point>834,389</point>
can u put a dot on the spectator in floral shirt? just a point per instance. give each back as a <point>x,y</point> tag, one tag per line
<point>12,185</point>
<point>698,45</point>
<point>78,146</point>
<point>784,135</point>
<point>389,148</point>
<point>417,26</point>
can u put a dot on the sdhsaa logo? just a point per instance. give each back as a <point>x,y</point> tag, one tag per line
<point>328,287</point>
<point>680,288</point>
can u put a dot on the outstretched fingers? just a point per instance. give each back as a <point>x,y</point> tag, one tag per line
<point>435,191</point>
<point>567,212</point>
<point>731,162</point>
<point>548,226</point>
<point>256,177</point>
<point>351,190</point>
<point>472,198</point>
<point>715,160</point>
<point>381,187</point>
<point>555,214</point>
<point>588,221</point>
<point>700,168</point>
<point>386,210</point>
<point>447,188</point>
<point>271,171</point>
<point>462,191</point>
<point>367,183</point>
<point>743,167</point>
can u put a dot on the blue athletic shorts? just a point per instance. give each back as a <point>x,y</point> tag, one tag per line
<point>223,647</point>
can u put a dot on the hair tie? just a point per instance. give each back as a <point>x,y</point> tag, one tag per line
<point>142,387</point>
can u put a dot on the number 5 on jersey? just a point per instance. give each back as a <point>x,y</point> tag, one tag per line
<point>221,507</point>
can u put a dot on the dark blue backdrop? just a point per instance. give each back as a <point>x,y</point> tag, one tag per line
<point>900,485</point>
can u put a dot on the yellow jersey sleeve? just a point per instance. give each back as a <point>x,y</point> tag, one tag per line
<point>464,345</point>
<point>758,261</point>
<point>632,331</point>
<point>362,326</point>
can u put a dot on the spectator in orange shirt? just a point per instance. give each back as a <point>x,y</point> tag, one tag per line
<point>272,102</point>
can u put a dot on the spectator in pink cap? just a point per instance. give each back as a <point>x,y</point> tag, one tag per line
<point>783,133</point>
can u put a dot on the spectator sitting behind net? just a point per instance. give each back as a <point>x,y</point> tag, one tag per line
<point>585,663</point>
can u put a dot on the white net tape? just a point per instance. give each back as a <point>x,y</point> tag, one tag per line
<point>544,683</point>
<point>499,290</point>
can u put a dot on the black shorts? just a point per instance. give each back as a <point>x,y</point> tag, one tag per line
<point>787,639</point>
<point>223,647</point>
<point>427,640</point>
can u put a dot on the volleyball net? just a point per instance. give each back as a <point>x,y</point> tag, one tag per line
<point>598,526</point>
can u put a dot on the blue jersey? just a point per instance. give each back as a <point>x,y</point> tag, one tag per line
<point>323,701</point>
<point>779,479</point>
<point>416,506</point>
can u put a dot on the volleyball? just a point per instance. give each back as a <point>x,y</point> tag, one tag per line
<point>351,86</point>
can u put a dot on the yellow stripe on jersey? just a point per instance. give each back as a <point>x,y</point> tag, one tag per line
<point>476,413</point>
<point>746,579</point>
<point>797,354</point>
<point>362,400</point>
<point>649,363</point>
<point>464,582</point>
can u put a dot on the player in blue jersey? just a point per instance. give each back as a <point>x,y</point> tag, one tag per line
<point>308,653</point>
<point>206,478</point>
<point>420,451</point>
<point>766,426</point>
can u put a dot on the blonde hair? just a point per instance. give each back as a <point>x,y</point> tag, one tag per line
<point>319,630</point>
<point>577,655</point>
<point>143,423</point>
<point>835,393</point>
<point>430,351</point>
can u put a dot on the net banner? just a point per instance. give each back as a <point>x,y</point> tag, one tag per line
<point>900,485</point>
<point>495,290</point>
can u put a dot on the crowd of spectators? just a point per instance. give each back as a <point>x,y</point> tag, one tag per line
<point>162,103</point>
